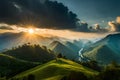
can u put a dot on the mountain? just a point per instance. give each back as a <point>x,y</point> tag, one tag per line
<point>106,50</point>
<point>113,41</point>
<point>72,46</point>
<point>10,66</point>
<point>83,43</point>
<point>102,54</point>
<point>79,43</point>
<point>33,53</point>
<point>57,70</point>
<point>58,47</point>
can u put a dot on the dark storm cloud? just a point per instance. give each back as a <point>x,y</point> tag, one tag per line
<point>43,14</point>
<point>83,27</point>
<point>7,11</point>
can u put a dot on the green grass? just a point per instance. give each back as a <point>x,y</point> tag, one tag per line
<point>102,54</point>
<point>92,52</point>
<point>10,66</point>
<point>55,70</point>
<point>4,57</point>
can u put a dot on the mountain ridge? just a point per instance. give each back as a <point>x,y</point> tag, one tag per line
<point>58,47</point>
<point>107,47</point>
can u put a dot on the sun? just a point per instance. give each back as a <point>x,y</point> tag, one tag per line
<point>31,31</point>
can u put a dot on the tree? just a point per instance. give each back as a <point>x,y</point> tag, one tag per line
<point>31,77</point>
<point>59,55</point>
<point>92,64</point>
<point>24,78</point>
<point>110,74</point>
<point>77,76</point>
<point>113,64</point>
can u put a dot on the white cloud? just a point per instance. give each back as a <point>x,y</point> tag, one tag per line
<point>114,25</point>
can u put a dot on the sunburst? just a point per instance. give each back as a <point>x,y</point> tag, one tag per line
<point>31,31</point>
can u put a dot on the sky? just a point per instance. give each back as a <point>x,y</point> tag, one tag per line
<point>94,11</point>
<point>61,15</point>
<point>35,20</point>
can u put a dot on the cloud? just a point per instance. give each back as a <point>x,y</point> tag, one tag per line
<point>40,13</point>
<point>118,20</point>
<point>96,26</point>
<point>115,26</point>
<point>5,27</point>
<point>45,14</point>
<point>83,27</point>
<point>112,25</point>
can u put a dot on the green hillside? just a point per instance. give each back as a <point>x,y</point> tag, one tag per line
<point>56,70</point>
<point>102,54</point>
<point>10,66</point>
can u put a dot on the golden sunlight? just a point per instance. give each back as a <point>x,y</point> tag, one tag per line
<point>31,31</point>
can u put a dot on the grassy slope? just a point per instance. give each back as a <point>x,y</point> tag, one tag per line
<point>55,70</point>
<point>103,54</point>
<point>9,64</point>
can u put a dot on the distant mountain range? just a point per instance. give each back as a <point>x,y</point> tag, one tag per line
<point>69,49</point>
<point>105,50</point>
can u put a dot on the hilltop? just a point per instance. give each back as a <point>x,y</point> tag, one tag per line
<point>33,53</point>
<point>57,70</point>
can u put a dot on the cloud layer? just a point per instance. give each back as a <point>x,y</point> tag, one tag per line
<point>46,14</point>
<point>5,27</point>
<point>40,13</point>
